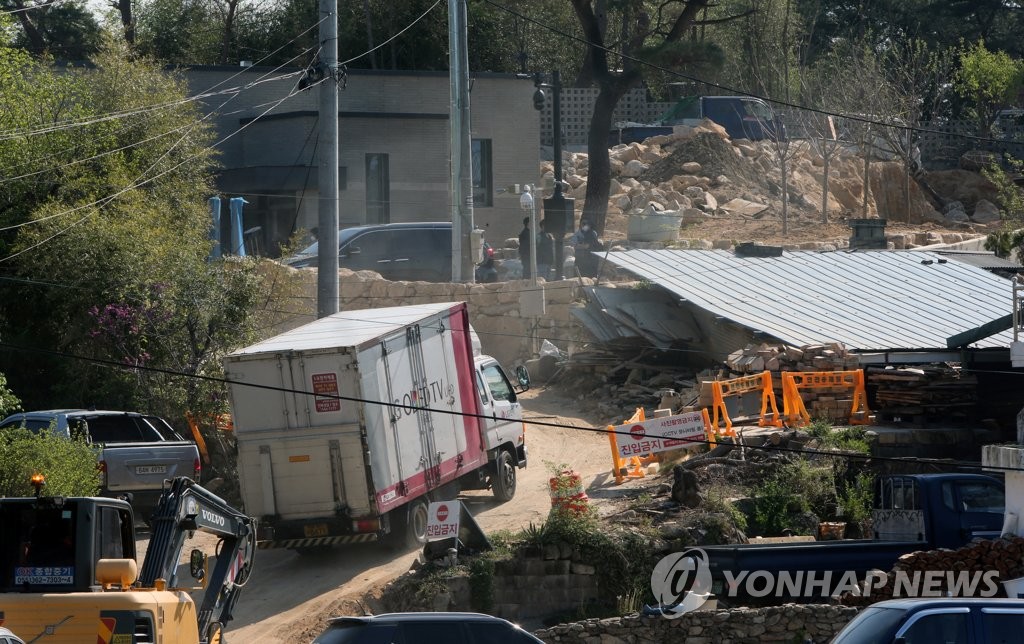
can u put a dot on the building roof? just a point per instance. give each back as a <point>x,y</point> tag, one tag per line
<point>867,300</point>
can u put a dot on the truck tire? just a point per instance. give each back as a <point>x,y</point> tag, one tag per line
<point>503,481</point>
<point>416,524</point>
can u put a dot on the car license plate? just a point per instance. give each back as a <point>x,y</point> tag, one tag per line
<point>315,530</point>
<point>151,469</point>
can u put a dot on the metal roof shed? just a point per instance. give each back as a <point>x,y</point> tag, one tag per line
<point>871,301</point>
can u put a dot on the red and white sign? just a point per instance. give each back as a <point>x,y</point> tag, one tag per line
<point>442,520</point>
<point>326,384</point>
<point>659,434</point>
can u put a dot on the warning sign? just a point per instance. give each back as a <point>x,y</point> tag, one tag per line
<point>659,434</point>
<point>442,520</point>
<point>326,384</point>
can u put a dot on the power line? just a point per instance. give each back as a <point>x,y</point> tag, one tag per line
<point>733,90</point>
<point>414,408</point>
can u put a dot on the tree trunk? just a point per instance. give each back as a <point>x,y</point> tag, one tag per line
<point>867,185</point>
<point>824,186</point>
<point>785,194</point>
<point>124,9</point>
<point>229,27</point>
<point>599,174</point>
<point>36,42</point>
<point>369,34</point>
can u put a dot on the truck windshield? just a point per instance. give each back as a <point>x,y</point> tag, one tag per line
<point>872,626</point>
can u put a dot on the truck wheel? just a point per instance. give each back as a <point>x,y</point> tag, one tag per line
<point>416,525</point>
<point>503,481</point>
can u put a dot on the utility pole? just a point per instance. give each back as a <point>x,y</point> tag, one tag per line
<point>327,234</point>
<point>461,144</point>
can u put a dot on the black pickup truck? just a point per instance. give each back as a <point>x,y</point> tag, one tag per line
<point>911,513</point>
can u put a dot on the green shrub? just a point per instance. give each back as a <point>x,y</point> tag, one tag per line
<point>68,465</point>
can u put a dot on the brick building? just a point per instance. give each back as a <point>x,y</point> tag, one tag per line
<point>394,148</point>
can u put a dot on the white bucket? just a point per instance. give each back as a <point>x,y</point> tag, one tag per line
<point>1014,588</point>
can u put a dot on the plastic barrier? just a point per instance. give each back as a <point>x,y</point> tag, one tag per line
<point>634,467</point>
<point>793,404</point>
<point>670,433</point>
<point>739,386</point>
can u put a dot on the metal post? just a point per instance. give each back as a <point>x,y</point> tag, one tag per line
<point>534,196</point>
<point>327,234</point>
<point>461,144</point>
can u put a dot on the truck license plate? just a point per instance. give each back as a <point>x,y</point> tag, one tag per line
<point>315,530</point>
<point>151,469</point>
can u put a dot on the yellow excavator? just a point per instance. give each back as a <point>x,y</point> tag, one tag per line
<point>68,571</point>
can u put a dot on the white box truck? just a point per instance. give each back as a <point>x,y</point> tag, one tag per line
<point>348,426</point>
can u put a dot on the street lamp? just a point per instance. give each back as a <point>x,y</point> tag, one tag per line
<point>529,204</point>
<point>559,210</point>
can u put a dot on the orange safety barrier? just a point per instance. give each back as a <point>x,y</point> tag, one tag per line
<point>635,467</point>
<point>738,386</point>
<point>793,404</point>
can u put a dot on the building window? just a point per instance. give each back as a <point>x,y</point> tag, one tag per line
<point>378,191</point>
<point>483,183</point>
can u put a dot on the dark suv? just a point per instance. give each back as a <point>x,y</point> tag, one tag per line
<point>424,628</point>
<point>937,620</point>
<point>410,251</point>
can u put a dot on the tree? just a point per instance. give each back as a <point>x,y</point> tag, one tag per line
<point>107,175</point>
<point>990,81</point>
<point>644,33</point>
<point>65,30</point>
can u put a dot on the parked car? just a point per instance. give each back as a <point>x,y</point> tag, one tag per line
<point>408,251</point>
<point>139,451</point>
<point>929,620</point>
<point>424,628</point>
<point>7,637</point>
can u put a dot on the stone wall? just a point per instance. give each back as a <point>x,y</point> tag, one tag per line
<point>495,309</point>
<point>789,623</point>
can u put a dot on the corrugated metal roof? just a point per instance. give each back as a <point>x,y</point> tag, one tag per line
<point>868,300</point>
<point>981,259</point>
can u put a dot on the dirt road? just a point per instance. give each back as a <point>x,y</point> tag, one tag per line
<point>289,596</point>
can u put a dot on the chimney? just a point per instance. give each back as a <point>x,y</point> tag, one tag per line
<point>868,233</point>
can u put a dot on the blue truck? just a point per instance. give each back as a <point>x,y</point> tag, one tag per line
<point>743,117</point>
<point>911,513</point>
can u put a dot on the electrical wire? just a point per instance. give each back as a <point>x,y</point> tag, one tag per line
<point>733,90</point>
<point>607,430</point>
<point>395,36</point>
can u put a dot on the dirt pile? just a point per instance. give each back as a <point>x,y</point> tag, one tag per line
<point>731,191</point>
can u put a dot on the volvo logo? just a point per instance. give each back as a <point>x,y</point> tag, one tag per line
<point>213,517</point>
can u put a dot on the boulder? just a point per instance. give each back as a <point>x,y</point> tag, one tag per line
<point>710,203</point>
<point>985,212</point>
<point>954,211</point>
<point>634,169</point>
<point>691,167</point>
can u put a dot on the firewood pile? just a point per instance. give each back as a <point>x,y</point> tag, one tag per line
<point>924,392</point>
<point>1004,556</point>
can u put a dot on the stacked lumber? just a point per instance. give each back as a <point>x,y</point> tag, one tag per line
<point>1003,556</point>
<point>922,391</point>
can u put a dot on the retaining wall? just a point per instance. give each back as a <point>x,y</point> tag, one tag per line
<point>789,623</point>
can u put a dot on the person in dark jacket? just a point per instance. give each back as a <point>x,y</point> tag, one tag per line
<point>524,247</point>
<point>545,251</point>
<point>586,243</point>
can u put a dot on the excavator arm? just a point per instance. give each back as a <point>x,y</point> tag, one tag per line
<point>183,508</point>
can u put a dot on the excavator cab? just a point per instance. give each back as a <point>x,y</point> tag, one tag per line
<point>52,544</point>
<point>68,568</point>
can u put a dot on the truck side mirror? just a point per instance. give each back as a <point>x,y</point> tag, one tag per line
<point>197,564</point>
<point>523,377</point>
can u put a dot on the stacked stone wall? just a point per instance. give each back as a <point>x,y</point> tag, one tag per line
<point>495,310</point>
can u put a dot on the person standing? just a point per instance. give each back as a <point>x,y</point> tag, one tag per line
<point>545,251</point>
<point>524,247</point>
<point>585,244</point>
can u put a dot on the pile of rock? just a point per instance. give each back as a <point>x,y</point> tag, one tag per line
<point>1000,556</point>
